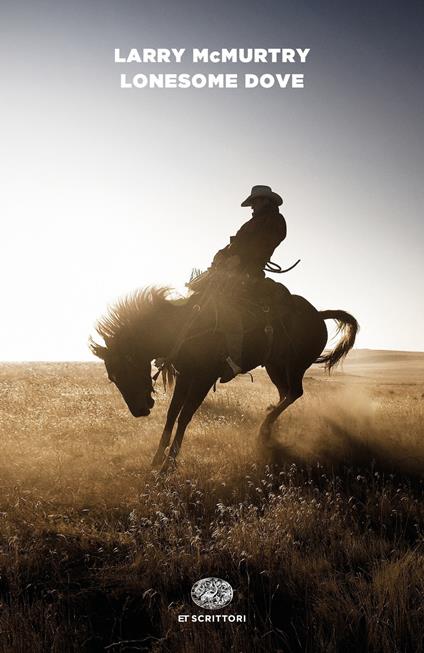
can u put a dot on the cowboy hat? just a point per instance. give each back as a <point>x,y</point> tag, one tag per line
<point>262,191</point>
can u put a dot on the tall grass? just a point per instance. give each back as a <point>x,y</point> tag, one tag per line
<point>321,537</point>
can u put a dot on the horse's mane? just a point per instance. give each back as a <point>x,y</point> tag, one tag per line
<point>127,313</point>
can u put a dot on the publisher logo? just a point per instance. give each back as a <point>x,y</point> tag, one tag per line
<point>212,593</point>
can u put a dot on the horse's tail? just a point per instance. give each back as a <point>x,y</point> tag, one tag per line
<point>349,327</point>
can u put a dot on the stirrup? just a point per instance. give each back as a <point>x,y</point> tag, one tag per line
<point>236,368</point>
<point>232,370</point>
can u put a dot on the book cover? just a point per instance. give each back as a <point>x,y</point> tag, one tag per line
<point>211,339</point>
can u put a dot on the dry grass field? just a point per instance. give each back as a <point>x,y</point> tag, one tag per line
<point>321,537</point>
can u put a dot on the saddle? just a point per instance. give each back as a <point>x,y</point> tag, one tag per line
<point>256,297</point>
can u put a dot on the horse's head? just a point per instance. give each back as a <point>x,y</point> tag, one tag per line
<point>133,334</point>
<point>132,376</point>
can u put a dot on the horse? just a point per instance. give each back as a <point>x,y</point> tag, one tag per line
<point>148,325</point>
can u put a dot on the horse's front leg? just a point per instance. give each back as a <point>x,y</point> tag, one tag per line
<point>196,394</point>
<point>178,398</point>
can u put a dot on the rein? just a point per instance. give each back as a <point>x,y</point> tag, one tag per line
<point>183,337</point>
<point>274,268</point>
<point>177,346</point>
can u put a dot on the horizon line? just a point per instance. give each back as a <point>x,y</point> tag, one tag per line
<point>94,360</point>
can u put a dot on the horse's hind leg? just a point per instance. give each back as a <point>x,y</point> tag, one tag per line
<point>294,391</point>
<point>177,401</point>
<point>278,375</point>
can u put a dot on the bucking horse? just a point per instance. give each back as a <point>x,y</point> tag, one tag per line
<point>184,335</point>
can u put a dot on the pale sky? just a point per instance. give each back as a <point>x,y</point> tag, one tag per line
<point>105,190</point>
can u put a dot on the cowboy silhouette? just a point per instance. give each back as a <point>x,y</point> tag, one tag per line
<point>247,253</point>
